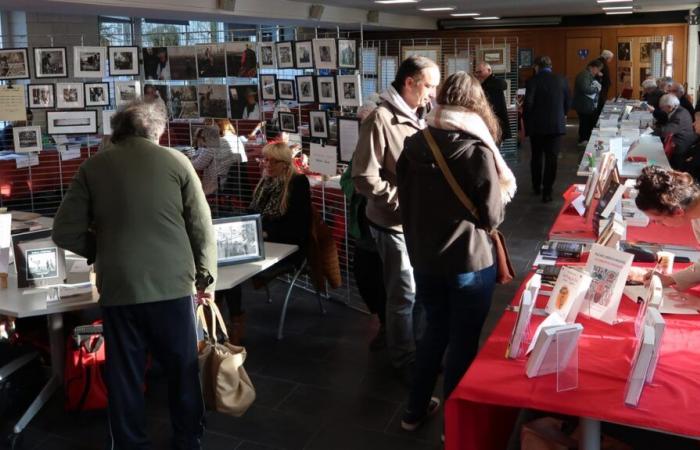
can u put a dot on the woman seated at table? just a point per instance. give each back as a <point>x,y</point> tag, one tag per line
<point>212,158</point>
<point>233,142</point>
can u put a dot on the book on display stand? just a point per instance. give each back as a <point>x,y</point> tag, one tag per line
<point>643,355</point>
<point>608,269</point>
<point>568,293</point>
<point>554,350</point>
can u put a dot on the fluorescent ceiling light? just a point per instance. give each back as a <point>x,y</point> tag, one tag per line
<point>618,12</point>
<point>465,14</point>
<point>616,8</point>
<point>392,2</point>
<point>440,8</point>
<point>614,1</point>
<point>487,18</point>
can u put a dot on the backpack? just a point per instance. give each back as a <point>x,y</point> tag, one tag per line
<point>84,384</point>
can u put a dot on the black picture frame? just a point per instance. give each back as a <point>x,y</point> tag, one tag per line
<point>285,45</point>
<point>302,95</point>
<point>268,82</point>
<point>324,99</point>
<point>284,94</point>
<point>525,57</point>
<point>233,235</point>
<point>39,66</point>
<point>135,52</point>
<point>314,117</point>
<point>39,261</point>
<point>301,48</point>
<point>33,105</point>
<point>104,101</point>
<point>4,66</point>
<point>342,55</point>
<point>284,120</point>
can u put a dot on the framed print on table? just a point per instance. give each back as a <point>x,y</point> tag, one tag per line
<point>497,56</point>
<point>347,54</point>
<point>266,53</point>
<point>70,95</point>
<point>318,124</point>
<point>268,84</point>
<point>50,62</point>
<point>305,89</point>
<point>431,52</point>
<point>285,89</point>
<point>303,55</point>
<point>41,96</point>
<point>123,60</point>
<point>89,62</point>
<point>126,91</point>
<point>72,122</point>
<point>285,55</point>
<point>14,64</point>
<point>97,94</point>
<point>39,261</point>
<point>288,122</point>
<point>326,90</point>
<point>239,239</point>
<point>349,90</point>
<point>325,53</point>
<point>27,139</point>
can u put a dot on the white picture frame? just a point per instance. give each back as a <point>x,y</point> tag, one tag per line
<point>126,91</point>
<point>305,89</point>
<point>107,121</point>
<point>325,89</point>
<point>123,60</point>
<point>431,52</point>
<point>454,64</point>
<point>285,55</point>
<point>268,87</point>
<point>41,96</point>
<point>72,122</point>
<point>70,95</point>
<point>97,94</point>
<point>50,62</point>
<point>349,90</point>
<point>14,64</point>
<point>318,124</point>
<point>285,89</point>
<point>89,62</point>
<point>267,56</point>
<point>498,56</point>
<point>304,55</point>
<point>325,53</point>
<point>27,139</point>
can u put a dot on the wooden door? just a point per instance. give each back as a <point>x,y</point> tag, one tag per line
<point>576,61</point>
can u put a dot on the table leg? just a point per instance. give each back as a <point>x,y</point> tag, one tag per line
<point>590,434</point>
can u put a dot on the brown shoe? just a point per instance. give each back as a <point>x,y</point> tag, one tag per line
<point>237,331</point>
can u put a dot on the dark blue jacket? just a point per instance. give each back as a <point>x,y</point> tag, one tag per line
<point>546,103</point>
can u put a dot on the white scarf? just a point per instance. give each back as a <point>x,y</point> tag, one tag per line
<point>456,118</point>
<point>392,96</point>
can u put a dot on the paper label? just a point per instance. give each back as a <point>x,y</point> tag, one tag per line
<point>348,135</point>
<point>26,160</point>
<point>12,101</point>
<point>323,159</point>
<point>70,152</point>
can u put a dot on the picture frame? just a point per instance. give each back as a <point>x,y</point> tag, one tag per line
<point>305,89</point>
<point>318,124</point>
<point>454,64</point>
<point>241,59</point>
<point>50,62</point>
<point>38,260</point>
<point>97,94</point>
<point>211,61</point>
<point>123,60</point>
<point>183,102</point>
<point>432,52</point>
<point>325,89</point>
<point>239,239</point>
<point>156,65</point>
<point>498,56</point>
<point>89,62</point>
<point>624,52</point>
<point>72,122</point>
<point>285,90</point>
<point>27,139</point>
<point>348,135</point>
<point>126,91</point>
<point>14,64</point>
<point>182,62</point>
<point>153,91</point>
<point>70,95</point>
<point>525,57</point>
<point>267,57</point>
<point>268,87</point>
<point>41,96</point>
<point>349,90</point>
<point>213,100</point>
<point>304,55</point>
<point>288,122</point>
<point>347,54</point>
<point>285,55</point>
<point>325,53</point>
<point>243,99</point>
<point>107,121</point>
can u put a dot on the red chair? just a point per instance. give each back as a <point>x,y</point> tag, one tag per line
<point>669,145</point>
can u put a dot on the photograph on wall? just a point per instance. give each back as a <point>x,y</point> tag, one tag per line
<point>497,56</point>
<point>318,124</point>
<point>349,90</point>
<point>268,84</point>
<point>183,102</point>
<point>305,89</point>
<point>646,50</point>
<point>645,74</point>
<point>126,91</point>
<point>72,122</point>
<point>525,56</point>
<point>70,95</point>
<point>239,239</point>
<point>241,60</point>
<point>211,61</point>
<point>325,53</point>
<point>27,139</point>
<point>431,52</point>
<point>326,89</point>
<point>183,63</point>
<point>624,77</point>
<point>456,64</point>
<point>288,122</point>
<point>123,60</point>
<point>50,62</point>
<point>285,90</point>
<point>266,53</point>
<point>152,91</point>
<point>285,55</point>
<point>624,52</point>
<point>303,54</point>
<point>212,100</point>
<point>89,62</point>
<point>41,96</point>
<point>107,115</point>
<point>14,63</point>
<point>156,65</point>
<point>96,94</point>
<point>243,99</point>
<point>347,53</point>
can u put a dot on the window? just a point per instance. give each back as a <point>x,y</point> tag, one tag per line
<point>115,31</point>
<point>369,69</point>
<point>165,33</point>
<point>388,65</point>
<point>668,63</point>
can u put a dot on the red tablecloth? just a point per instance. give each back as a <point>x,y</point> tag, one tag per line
<point>481,412</point>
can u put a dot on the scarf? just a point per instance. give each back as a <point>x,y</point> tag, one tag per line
<point>267,198</point>
<point>393,97</point>
<point>456,118</point>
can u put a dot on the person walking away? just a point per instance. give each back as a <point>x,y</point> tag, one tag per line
<point>586,91</point>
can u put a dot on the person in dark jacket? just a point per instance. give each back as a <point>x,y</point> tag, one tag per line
<point>680,125</point>
<point>651,93</point>
<point>450,250</point>
<point>586,92</point>
<point>604,78</point>
<point>678,90</point>
<point>494,89</point>
<point>544,113</point>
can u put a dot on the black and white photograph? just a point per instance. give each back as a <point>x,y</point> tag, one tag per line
<point>211,61</point>
<point>96,94</point>
<point>212,100</point>
<point>123,60</point>
<point>27,139</point>
<point>305,89</point>
<point>288,122</point>
<point>50,62</point>
<point>156,65</point>
<point>153,91</point>
<point>107,121</point>
<point>243,99</point>
<point>89,62</point>
<point>241,60</point>
<point>347,53</point>
<point>126,91</point>
<point>239,239</point>
<point>285,90</point>
<point>268,84</point>
<point>285,55</point>
<point>266,53</point>
<point>183,102</point>
<point>70,95</point>
<point>349,91</point>
<point>41,96</point>
<point>183,63</point>
<point>318,124</point>
<point>326,89</point>
<point>39,261</point>
<point>623,51</point>
<point>42,263</point>
<point>325,53</point>
<point>303,55</point>
<point>72,122</point>
<point>14,64</point>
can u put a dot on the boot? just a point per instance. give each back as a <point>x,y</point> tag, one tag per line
<point>237,331</point>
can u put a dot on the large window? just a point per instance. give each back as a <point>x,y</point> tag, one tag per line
<point>164,33</point>
<point>115,31</point>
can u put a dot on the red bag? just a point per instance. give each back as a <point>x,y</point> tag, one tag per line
<point>84,385</point>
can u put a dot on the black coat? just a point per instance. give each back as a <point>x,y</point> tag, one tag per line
<point>680,124</point>
<point>493,88</point>
<point>685,103</point>
<point>652,98</point>
<point>604,79</point>
<point>546,103</point>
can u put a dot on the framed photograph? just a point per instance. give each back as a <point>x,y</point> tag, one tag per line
<point>285,55</point>
<point>212,100</point>
<point>70,95</point>
<point>347,53</point>
<point>243,99</point>
<point>211,61</point>
<point>304,54</point>
<point>497,56</point>
<point>72,122</point>
<point>456,64</point>
<point>241,60</point>
<point>239,239</point>
<point>288,122</point>
<point>429,51</point>
<point>318,124</point>
<point>285,90</point>
<point>348,135</point>
<point>27,139</point>
<point>183,102</point>
<point>266,52</point>
<point>96,94</point>
<point>152,91</point>
<point>183,63</point>
<point>623,51</point>
<point>126,91</point>
<point>39,261</point>
<point>14,64</point>
<point>41,96</point>
<point>123,60</point>
<point>107,121</point>
<point>89,62</point>
<point>326,90</point>
<point>325,54</point>
<point>305,89</point>
<point>349,90</point>
<point>268,84</point>
<point>525,57</point>
<point>50,62</point>
<point>156,65</point>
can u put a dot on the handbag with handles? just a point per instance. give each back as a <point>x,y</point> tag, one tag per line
<point>505,272</point>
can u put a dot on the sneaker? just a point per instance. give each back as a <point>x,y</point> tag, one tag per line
<point>410,423</point>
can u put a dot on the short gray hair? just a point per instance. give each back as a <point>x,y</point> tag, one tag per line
<point>607,54</point>
<point>485,65</point>
<point>649,84</point>
<point>669,100</point>
<point>680,90</point>
<point>140,118</point>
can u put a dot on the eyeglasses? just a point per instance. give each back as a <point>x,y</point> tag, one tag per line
<point>268,161</point>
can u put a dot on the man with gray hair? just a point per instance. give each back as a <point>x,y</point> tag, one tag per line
<point>679,126</point>
<point>678,90</point>
<point>138,211</point>
<point>651,93</point>
<point>604,78</point>
<point>494,89</point>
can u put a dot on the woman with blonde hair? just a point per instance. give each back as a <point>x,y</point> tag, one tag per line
<point>231,141</point>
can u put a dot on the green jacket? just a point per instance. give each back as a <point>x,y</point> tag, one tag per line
<point>583,87</point>
<point>138,210</point>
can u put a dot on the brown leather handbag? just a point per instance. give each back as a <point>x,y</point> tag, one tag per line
<point>505,272</point>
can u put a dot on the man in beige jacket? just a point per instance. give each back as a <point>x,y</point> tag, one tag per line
<point>381,142</point>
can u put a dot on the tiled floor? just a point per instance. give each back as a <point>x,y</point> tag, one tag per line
<point>320,388</point>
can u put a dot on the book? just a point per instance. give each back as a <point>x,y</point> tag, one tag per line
<point>547,273</point>
<point>553,350</point>
<point>557,249</point>
<point>656,321</point>
<point>655,293</point>
<point>568,293</point>
<point>613,232</point>
<point>533,285</point>
<point>521,327</point>
<point>643,355</point>
<point>608,269</point>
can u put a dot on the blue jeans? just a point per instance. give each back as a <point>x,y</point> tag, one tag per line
<point>456,307</point>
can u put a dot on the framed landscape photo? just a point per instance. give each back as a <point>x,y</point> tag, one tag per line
<point>285,55</point>
<point>456,64</point>
<point>183,102</point>
<point>41,96</point>
<point>89,62</point>
<point>304,54</point>
<point>497,56</point>
<point>72,122</point>
<point>266,53</point>
<point>349,90</point>
<point>325,54</point>
<point>288,122</point>
<point>431,52</point>
<point>305,89</point>
<point>126,91</point>
<point>268,84</point>
<point>318,124</point>
<point>70,95</point>
<point>39,261</point>
<point>123,60</point>
<point>285,89</point>
<point>326,90</point>
<point>212,100</point>
<point>50,62</point>
<point>347,53</point>
<point>239,239</point>
<point>27,139</point>
<point>14,64</point>
<point>97,94</point>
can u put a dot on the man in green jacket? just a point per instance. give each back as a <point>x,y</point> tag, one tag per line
<point>586,91</point>
<point>138,211</point>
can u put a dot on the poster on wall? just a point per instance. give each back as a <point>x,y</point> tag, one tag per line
<point>243,99</point>
<point>211,61</point>
<point>156,65</point>
<point>183,63</point>
<point>183,102</point>
<point>12,101</point>
<point>212,100</point>
<point>241,60</point>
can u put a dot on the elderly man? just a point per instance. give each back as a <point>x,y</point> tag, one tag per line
<point>494,90</point>
<point>606,56</point>
<point>586,92</point>
<point>138,211</point>
<point>679,125</point>
<point>651,93</point>
<point>678,90</point>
